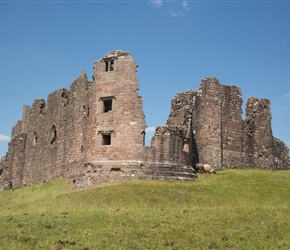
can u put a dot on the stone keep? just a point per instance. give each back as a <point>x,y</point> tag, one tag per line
<point>92,133</point>
<point>95,132</point>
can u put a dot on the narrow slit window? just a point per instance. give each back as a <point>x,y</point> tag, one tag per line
<point>35,138</point>
<point>107,65</point>
<point>143,133</point>
<point>53,134</point>
<point>112,65</point>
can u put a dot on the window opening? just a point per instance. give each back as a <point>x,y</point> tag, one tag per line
<point>109,65</point>
<point>53,134</point>
<point>64,96</point>
<point>144,134</point>
<point>108,103</point>
<point>106,139</point>
<point>116,169</point>
<point>35,137</point>
<point>86,111</point>
<point>42,108</point>
<point>185,146</point>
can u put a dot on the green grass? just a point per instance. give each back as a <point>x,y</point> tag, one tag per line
<point>235,209</point>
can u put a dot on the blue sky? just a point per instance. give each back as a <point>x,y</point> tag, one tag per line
<point>44,45</point>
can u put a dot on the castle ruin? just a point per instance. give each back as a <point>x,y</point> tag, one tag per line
<point>95,132</point>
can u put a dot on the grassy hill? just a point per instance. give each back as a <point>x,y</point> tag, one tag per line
<point>235,209</point>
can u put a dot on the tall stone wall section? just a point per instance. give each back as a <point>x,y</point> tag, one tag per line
<point>220,136</point>
<point>50,138</point>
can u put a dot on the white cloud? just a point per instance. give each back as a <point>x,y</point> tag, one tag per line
<point>4,138</point>
<point>185,4</point>
<point>177,7</point>
<point>157,3</point>
<point>288,95</point>
<point>176,10</point>
<point>150,129</point>
<point>176,13</point>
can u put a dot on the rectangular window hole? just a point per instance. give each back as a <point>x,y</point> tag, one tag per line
<point>116,169</point>
<point>106,139</point>
<point>109,65</point>
<point>108,105</point>
<point>112,65</point>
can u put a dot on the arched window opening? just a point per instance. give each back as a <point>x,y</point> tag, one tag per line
<point>35,138</point>
<point>144,134</point>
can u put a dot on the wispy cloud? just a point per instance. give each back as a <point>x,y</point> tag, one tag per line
<point>185,4</point>
<point>278,109</point>
<point>174,8</point>
<point>150,129</point>
<point>176,13</point>
<point>288,95</point>
<point>4,138</point>
<point>157,3</point>
<point>179,10</point>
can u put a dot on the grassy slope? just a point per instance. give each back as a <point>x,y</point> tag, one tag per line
<point>235,209</point>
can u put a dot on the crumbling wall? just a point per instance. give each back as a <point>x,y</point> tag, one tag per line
<point>93,133</point>
<point>168,146</point>
<point>12,164</point>
<point>219,134</point>
<point>183,110</point>
<point>50,138</point>
<point>280,154</point>
<point>259,141</point>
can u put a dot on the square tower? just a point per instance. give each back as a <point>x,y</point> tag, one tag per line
<point>118,125</point>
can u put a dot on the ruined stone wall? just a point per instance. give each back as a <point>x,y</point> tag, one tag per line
<point>219,134</point>
<point>207,121</point>
<point>259,139</point>
<point>54,133</point>
<point>168,146</point>
<point>17,155</point>
<point>280,155</point>
<point>92,133</point>
<point>232,142</point>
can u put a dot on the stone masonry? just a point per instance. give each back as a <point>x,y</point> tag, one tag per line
<point>211,119</point>
<point>92,133</point>
<point>95,132</point>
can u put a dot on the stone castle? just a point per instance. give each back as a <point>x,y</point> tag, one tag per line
<point>95,132</point>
